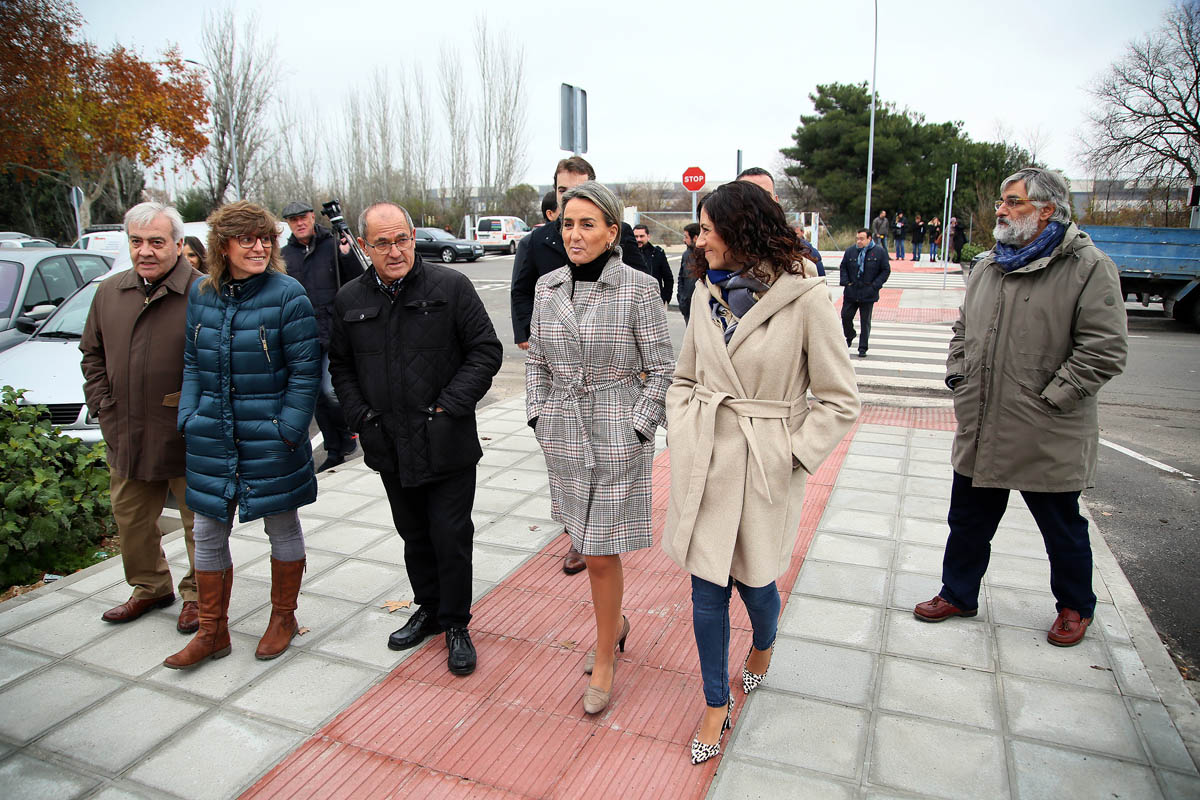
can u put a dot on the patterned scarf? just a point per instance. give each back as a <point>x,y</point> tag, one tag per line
<point>1011,258</point>
<point>739,292</point>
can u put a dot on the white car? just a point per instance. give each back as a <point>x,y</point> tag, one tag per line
<point>47,366</point>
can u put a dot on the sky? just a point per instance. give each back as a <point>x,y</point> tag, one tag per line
<point>672,85</point>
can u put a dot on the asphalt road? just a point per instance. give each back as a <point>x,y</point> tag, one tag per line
<point>1149,517</point>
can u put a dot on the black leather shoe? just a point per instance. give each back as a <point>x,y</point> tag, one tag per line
<point>850,339</point>
<point>419,627</point>
<point>331,460</point>
<point>461,660</point>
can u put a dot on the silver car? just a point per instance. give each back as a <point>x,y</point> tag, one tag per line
<point>34,281</point>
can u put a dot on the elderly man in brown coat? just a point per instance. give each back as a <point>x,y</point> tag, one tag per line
<point>133,369</point>
<point>1041,330</point>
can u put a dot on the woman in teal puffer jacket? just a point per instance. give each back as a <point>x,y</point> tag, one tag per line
<point>252,364</point>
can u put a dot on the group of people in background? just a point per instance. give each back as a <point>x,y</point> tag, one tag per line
<point>206,376</point>
<point>919,232</point>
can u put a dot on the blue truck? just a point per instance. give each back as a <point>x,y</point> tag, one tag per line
<point>1156,265</point>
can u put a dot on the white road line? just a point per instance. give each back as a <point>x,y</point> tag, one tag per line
<point>1146,460</point>
<point>880,355</point>
<point>898,366</point>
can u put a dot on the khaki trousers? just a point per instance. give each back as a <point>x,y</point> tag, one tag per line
<point>136,507</point>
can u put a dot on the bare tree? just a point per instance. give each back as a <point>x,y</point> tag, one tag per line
<point>245,75</point>
<point>456,165</point>
<point>488,109</point>
<point>293,170</point>
<point>500,127</point>
<point>1147,124</point>
<point>1037,139</point>
<point>425,153</point>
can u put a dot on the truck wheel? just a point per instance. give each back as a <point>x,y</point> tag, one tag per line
<point>447,255</point>
<point>512,248</point>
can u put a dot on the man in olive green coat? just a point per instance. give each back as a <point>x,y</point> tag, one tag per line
<point>1041,330</point>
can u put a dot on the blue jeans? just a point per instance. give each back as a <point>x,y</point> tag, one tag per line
<point>974,514</point>
<point>328,413</point>
<point>899,248</point>
<point>932,252</point>
<point>916,251</point>
<point>710,623</point>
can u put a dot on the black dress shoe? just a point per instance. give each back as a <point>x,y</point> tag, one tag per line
<point>850,339</point>
<point>419,627</point>
<point>331,460</point>
<point>461,660</point>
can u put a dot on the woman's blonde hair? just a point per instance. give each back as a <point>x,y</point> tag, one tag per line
<point>241,218</point>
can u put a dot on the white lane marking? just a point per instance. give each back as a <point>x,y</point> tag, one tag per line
<point>1145,460</point>
<point>1138,335</point>
<point>899,366</point>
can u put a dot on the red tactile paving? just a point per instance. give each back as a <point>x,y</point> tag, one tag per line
<point>938,419</point>
<point>516,728</point>
<point>888,309</point>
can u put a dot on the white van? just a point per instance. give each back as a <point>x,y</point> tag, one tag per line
<point>500,233</point>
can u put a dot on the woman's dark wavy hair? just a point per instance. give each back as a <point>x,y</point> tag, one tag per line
<point>754,229</point>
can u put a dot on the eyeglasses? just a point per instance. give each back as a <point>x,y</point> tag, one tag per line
<point>1011,201</point>
<point>383,248</point>
<point>246,242</point>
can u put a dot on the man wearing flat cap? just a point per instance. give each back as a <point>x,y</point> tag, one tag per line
<point>322,265</point>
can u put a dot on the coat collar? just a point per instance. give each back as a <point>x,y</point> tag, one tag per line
<point>786,288</point>
<point>611,275</point>
<point>178,279</point>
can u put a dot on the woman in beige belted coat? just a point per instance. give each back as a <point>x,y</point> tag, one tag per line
<point>743,433</point>
<point>598,370</point>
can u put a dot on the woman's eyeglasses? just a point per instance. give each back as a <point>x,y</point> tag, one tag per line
<point>246,242</point>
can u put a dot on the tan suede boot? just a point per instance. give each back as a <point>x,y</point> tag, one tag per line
<point>281,629</point>
<point>212,640</point>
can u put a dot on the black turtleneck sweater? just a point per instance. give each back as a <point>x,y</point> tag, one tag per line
<point>589,271</point>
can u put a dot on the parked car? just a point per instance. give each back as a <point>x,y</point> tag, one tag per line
<point>47,365</point>
<point>34,280</point>
<point>435,242</point>
<point>500,233</point>
<point>28,241</point>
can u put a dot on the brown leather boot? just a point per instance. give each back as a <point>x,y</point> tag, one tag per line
<point>212,640</point>
<point>285,588</point>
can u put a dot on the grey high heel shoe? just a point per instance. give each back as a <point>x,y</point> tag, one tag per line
<point>590,660</point>
<point>596,700</point>
<point>702,752</point>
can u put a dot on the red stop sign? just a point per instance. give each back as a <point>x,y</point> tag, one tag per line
<point>693,179</point>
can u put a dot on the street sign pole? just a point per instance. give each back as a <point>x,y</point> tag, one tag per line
<point>693,180</point>
<point>572,119</point>
<point>76,204</point>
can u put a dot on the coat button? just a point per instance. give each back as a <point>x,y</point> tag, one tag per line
<point>275,421</point>
<point>362,316</point>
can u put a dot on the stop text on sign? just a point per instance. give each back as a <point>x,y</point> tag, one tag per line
<point>693,179</point>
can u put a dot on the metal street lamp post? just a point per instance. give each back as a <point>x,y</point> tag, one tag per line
<point>237,180</point>
<point>871,140</point>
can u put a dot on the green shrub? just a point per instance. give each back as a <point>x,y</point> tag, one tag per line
<point>54,491</point>
<point>969,251</point>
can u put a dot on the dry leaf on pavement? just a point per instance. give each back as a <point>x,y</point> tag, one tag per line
<point>395,605</point>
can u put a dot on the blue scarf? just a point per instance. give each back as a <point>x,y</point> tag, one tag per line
<point>740,291</point>
<point>1011,258</point>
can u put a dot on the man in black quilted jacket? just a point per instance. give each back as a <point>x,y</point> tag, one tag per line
<point>411,355</point>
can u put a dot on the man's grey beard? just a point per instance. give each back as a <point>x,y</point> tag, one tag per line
<point>1017,233</point>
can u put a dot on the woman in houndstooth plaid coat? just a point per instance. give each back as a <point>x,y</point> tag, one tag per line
<point>598,327</point>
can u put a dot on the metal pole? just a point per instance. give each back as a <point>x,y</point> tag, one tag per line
<point>739,163</point>
<point>694,217</point>
<point>950,211</point>
<point>871,140</point>
<point>945,232</point>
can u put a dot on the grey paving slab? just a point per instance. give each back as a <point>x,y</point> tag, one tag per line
<point>493,457</point>
<point>827,671</point>
<point>519,480</point>
<point>902,757</point>
<point>1162,737</point>
<point>337,504</point>
<point>1109,623</point>
<point>519,532</point>
<point>1018,572</point>
<point>389,550</point>
<point>521,440</point>
<point>377,513</point>
<point>1054,772</point>
<point>34,705</point>
<point>841,581</point>
<point>924,531</point>
<point>863,447</point>
<point>25,777</point>
<point>928,487</point>
<point>218,679</point>
<point>871,464</point>
<point>1026,652</point>
<point>243,747</point>
<point>881,481</point>
<point>851,549</point>
<point>939,691</point>
<point>1089,719</point>
<point>928,469</point>
<point>307,690</point>
<point>919,558</point>
<point>534,461</point>
<point>498,500</point>
<point>102,578</point>
<point>316,614</point>
<point>1180,786</point>
<point>910,588</point>
<point>116,732</point>
<point>832,621</point>
<point>66,629</point>
<point>357,581</point>
<point>501,425</point>
<point>964,642</point>
<point>876,500</point>
<point>16,663</point>
<point>895,436</point>
<point>915,505</point>
<point>317,561</point>
<point>1019,543</point>
<point>247,596</point>
<point>536,507</point>
<point>1130,672</point>
<point>367,483</point>
<point>492,563</point>
<point>935,454</point>
<point>859,523</point>
<point>364,637</point>
<point>1023,608</point>
<point>119,791</point>
<point>815,735</point>
<point>752,780</point>
<point>346,538</point>
<point>135,647</point>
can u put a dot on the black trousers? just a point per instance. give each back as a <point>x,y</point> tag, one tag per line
<point>974,515</point>
<point>849,307</point>
<point>434,520</point>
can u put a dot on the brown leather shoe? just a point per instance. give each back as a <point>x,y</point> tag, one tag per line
<point>212,639</point>
<point>134,607</point>
<point>282,627</point>
<point>1068,628</point>
<point>573,562</point>
<point>189,617</point>
<point>938,609</point>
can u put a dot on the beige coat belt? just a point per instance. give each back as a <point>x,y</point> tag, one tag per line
<point>745,409</point>
<point>577,389</point>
